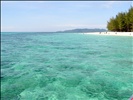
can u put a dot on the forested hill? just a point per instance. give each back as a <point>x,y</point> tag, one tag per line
<point>122,22</point>
<point>82,30</point>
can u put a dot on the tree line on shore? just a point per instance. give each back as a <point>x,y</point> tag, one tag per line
<point>122,22</point>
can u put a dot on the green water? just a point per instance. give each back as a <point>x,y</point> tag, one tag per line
<point>41,66</point>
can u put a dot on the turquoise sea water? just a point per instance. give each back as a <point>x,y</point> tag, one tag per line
<point>59,66</point>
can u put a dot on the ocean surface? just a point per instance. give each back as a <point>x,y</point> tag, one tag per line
<point>66,66</point>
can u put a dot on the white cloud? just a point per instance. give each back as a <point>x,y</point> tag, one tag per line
<point>110,4</point>
<point>7,29</point>
<point>50,28</point>
<point>81,26</point>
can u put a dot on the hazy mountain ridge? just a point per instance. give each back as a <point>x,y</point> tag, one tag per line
<point>82,30</point>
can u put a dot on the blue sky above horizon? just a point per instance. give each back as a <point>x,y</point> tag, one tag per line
<point>48,16</point>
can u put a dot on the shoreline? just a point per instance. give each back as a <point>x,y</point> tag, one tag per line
<point>111,33</point>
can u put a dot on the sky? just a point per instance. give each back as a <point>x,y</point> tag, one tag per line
<point>50,16</point>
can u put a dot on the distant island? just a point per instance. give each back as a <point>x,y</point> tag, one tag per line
<point>85,30</point>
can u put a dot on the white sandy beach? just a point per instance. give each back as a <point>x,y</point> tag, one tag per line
<point>112,33</point>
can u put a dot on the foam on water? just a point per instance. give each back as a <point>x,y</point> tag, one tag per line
<point>40,66</point>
